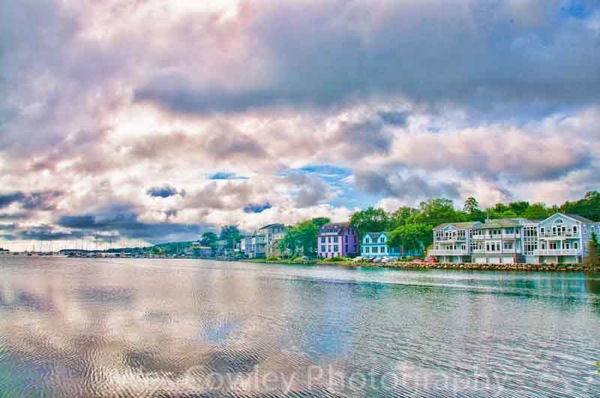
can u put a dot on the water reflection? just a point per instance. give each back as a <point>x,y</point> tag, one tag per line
<point>157,328</point>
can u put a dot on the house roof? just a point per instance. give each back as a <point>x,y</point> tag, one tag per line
<point>459,225</point>
<point>499,223</point>
<point>579,218</point>
<point>374,235</point>
<point>271,225</point>
<point>337,224</point>
<point>343,226</point>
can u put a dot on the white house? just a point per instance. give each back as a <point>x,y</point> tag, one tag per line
<point>498,241</point>
<point>264,242</point>
<point>452,242</point>
<point>561,238</point>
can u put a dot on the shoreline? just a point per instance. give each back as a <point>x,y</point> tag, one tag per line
<point>440,266</point>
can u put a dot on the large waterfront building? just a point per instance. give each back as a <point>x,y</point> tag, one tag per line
<point>561,238</point>
<point>337,240</point>
<point>498,241</point>
<point>452,242</point>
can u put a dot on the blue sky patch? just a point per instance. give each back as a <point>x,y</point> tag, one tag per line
<point>223,175</point>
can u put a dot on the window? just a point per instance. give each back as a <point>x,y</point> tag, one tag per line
<point>367,249</point>
<point>382,239</point>
<point>329,239</point>
<point>575,245</point>
<point>574,229</point>
<point>346,237</point>
<point>322,239</point>
<point>323,249</point>
<point>336,248</point>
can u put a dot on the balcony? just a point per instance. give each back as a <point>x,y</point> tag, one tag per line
<point>559,235</point>
<point>496,236</point>
<point>505,251</point>
<point>556,252</point>
<point>445,252</point>
<point>450,238</point>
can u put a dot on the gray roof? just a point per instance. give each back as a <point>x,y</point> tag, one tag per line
<point>374,235</point>
<point>499,223</point>
<point>459,225</point>
<point>580,218</point>
<point>272,225</point>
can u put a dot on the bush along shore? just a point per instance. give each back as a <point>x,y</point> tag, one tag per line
<point>426,266</point>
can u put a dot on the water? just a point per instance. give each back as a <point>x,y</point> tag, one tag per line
<point>72,327</point>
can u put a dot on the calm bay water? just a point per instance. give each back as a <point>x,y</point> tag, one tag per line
<point>71,327</point>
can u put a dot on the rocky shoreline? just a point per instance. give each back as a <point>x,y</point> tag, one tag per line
<point>444,266</point>
<point>495,267</point>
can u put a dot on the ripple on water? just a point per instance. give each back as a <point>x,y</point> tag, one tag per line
<point>161,328</point>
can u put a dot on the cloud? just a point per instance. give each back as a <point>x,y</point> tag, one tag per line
<point>47,233</point>
<point>390,183</point>
<point>361,138</point>
<point>312,107</point>
<point>397,119</point>
<point>485,55</point>
<point>10,198</point>
<point>308,190</point>
<point>257,208</point>
<point>496,151</point>
<point>164,191</point>
<point>31,201</point>
<point>127,225</point>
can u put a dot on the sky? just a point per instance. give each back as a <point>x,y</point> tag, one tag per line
<point>130,122</point>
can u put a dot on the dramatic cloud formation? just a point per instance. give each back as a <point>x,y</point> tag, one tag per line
<point>133,122</point>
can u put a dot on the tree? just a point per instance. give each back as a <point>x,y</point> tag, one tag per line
<point>209,239</point>
<point>588,207</point>
<point>400,217</point>
<point>370,220</point>
<point>519,208</point>
<point>435,212</point>
<point>537,211</point>
<point>471,208</point>
<point>592,258</point>
<point>412,237</point>
<point>303,237</point>
<point>290,242</point>
<point>231,234</point>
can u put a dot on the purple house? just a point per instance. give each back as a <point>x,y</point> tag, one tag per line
<point>337,240</point>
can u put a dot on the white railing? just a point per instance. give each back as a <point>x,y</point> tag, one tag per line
<point>450,238</point>
<point>556,252</point>
<point>497,236</point>
<point>483,251</point>
<point>443,252</point>
<point>559,235</point>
